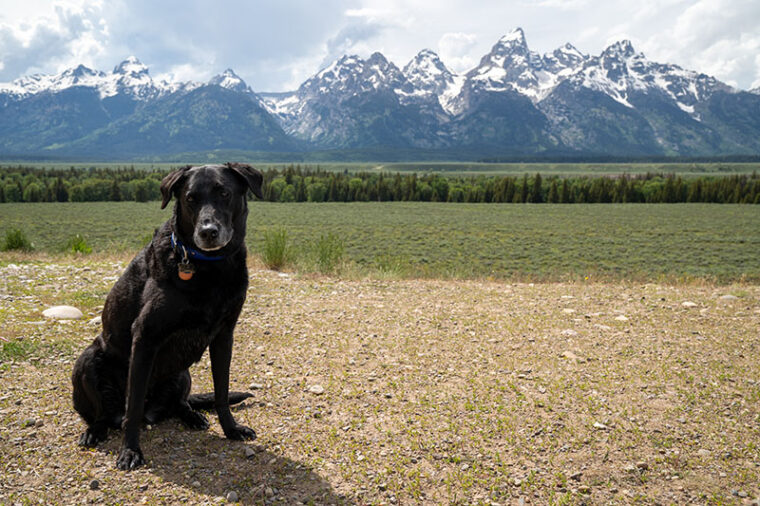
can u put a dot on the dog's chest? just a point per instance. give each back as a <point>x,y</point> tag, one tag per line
<point>182,348</point>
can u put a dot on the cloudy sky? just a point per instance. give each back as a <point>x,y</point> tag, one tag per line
<point>275,46</point>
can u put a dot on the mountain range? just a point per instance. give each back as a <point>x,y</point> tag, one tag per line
<point>515,102</point>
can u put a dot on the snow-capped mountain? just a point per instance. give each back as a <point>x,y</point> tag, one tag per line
<point>129,77</point>
<point>231,81</point>
<point>621,72</point>
<point>515,101</point>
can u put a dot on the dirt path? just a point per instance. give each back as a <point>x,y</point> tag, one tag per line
<point>435,392</point>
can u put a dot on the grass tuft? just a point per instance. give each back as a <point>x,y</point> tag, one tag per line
<point>275,250</point>
<point>15,239</point>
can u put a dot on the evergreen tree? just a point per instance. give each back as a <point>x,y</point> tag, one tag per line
<point>537,195</point>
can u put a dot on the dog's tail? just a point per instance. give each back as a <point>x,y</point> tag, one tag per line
<point>206,401</point>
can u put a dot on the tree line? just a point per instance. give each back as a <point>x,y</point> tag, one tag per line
<point>297,184</point>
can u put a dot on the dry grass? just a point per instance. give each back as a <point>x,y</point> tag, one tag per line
<point>435,392</point>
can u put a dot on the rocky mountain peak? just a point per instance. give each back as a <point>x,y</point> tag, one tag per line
<point>230,80</point>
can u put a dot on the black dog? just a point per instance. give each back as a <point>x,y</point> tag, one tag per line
<point>180,295</point>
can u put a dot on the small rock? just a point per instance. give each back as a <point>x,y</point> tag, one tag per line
<point>568,311</point>
<point>382,487</point>
<point>703,453</point>
<point>62,313</point>
<point>256,386</point>
<point>29,422</point>
<point>569,355</point>
<point>602,327</point>
<point>316,389</point>
<point>196,484</point>
<point>269,492</point>
<point>569,333</point>
<point>600,426</point>
<point>642,465</point>
<point>576,476</point>
<point>248,452</point>
<point>688,303</point>
<point>96,321</point>
<point>742,494</point>
<point>629,468</point>
<point>232,496</point>
<point>621,318</point>
<point>584,489</point>
<point>728,297</point>
<point>94,485</point>
<point>143,488</point>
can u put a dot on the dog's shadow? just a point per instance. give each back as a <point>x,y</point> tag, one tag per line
<point>209,464</point>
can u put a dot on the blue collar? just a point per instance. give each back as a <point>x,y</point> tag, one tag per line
<point>190,253</point>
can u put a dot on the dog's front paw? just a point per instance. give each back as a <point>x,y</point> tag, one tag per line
<point>240,432</point>
<point>130,458</point>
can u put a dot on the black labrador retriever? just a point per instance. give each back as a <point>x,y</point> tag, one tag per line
<point>180,295</point>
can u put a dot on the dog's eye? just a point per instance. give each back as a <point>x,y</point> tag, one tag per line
<point>225,194</point>
<point>189,199</point>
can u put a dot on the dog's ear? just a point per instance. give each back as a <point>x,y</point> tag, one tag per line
<point>253,178</point>
<point>169,183</point>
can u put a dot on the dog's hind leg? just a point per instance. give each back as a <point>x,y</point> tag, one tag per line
<point>88,400</point>
<point>191,418</point>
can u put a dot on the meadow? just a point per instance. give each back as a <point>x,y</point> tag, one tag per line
<point>438,240</point>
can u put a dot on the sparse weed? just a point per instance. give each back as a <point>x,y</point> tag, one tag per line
<point>78,244</point>
<point>327,251</point>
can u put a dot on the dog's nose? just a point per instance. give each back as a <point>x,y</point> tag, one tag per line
<point>209,232</point>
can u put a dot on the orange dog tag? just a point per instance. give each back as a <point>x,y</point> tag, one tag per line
<point>185,271</point>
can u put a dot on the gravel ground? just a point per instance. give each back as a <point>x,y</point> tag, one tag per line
<point>373,391</point>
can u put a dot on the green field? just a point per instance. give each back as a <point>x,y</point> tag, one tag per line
<point>548,241</point>
<point>451,168</point>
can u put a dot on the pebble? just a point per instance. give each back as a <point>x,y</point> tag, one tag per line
<point>728,297</point>
<point>96,321</point>
<point>688,303</point>
<point>62,313</point>
<point>703,453</point>
<point>29,422</point>
<point>569,332</point>
<point>621,318</point>
<point>196,484</point>
<point>600,426</point>
<point>316,389</point>
<point>249,452</point>
<point>94,485</point>
<point>269,492</point>
<point>584,489</point>
<point>569,355</point>
<point>232,496</point>
<point>642,465</point>
<point>576,476</point>
<point>256,386</point>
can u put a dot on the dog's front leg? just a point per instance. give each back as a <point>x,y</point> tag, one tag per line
<point>220,351</point>
<point>140,368</point>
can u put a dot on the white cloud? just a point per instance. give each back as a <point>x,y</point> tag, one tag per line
<point>277,45</point>
<point>455,49</point>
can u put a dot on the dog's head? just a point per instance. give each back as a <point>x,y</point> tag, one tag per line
<point>211,204</point>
